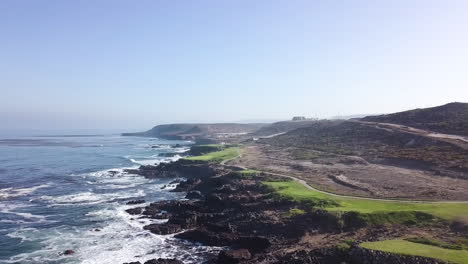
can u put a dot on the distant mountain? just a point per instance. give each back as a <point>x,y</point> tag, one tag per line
<point>347,117</point>
<point>451,118</point>
<point>204,133</point>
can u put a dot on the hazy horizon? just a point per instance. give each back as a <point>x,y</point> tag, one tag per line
<point>131,65</point>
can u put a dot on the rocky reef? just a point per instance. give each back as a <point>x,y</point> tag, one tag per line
<point>225,208</point>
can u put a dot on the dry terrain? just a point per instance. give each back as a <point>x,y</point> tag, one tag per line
<point>351,175</point>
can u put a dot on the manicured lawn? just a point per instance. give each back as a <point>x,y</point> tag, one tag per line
<point>217,156</point>
<point>296,191</point>
<point>248,173</point>
<point>403,247</point>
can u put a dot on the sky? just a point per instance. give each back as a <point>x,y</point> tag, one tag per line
<point>113,64</point>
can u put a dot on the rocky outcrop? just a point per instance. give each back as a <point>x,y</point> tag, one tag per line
<point>233,256</point>
<point>134,211</point>
<point>158,261</point>
<point>135,202</point>
<point>179,169</point>
<point>194,195</point>
<point>163,229</point>
<point>164,261</point>
<point>315,256</point>
<point>240,214</point>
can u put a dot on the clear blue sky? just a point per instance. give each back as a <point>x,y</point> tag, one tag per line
<point>134,64</point>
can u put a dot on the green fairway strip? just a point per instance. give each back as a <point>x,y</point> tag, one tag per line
<point>296,191</point>
<point>403,247</point>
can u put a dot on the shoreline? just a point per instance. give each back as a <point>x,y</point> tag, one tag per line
<point>238,213</point>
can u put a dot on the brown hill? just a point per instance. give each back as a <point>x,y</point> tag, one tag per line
<point>198,132</point>
<point>374,144</point>
<point>451,118</point>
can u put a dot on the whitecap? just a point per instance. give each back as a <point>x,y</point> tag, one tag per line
<point>7,193</point>
<point>90,197</point>
<point>118,237</point>
<point>13,210</point>
<point>147,161</point>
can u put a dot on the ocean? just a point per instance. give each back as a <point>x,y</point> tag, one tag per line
<point>69,192</point>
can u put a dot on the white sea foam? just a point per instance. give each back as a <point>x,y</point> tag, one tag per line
<point>7,193</point>
<point>126,241</point>
<point>147,161</point>
<point>116,236</point>
<point>181,150</point>
<point>119,238</point>
<point>91,197</point>
<point>13,209</point>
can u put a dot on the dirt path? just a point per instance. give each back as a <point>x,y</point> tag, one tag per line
<point>305,184</point>
<point>460,141</point>
<point>356,197</point>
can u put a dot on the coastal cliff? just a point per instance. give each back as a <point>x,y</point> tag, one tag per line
<point>231,208</point>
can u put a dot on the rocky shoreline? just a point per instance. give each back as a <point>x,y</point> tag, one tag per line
<point>227,209</point>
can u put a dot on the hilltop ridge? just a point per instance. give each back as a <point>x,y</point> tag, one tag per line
<point>198,131</point>
<point>451,118</point>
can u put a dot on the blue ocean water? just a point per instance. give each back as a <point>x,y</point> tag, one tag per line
<point>69,192</point>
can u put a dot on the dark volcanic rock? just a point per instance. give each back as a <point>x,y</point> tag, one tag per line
<point>134,211</point>
<point>136,202</point>
<point>254,244</point>
<point>178,169</point>
<point>318,256</point>
<point>163,261</point>
<point>68,252</point>
<point>176,181</point>
<point>163,229</point>
<point>185,220</point>
<point>194,195</point>
<point>214,200</point>
<point>185,186</point>
<point>233,256</point>
<point>208,238</point>
<point>158,261</point>
<point>211,238</point>
<point>112,172</point>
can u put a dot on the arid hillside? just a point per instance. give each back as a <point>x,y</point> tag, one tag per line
<point>199,132</point>
<point>451,118</point>
<point>361,159</point>
<point>374,144</point>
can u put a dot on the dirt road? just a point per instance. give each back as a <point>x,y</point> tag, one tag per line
<point>460,141</point>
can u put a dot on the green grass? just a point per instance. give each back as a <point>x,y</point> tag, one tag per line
<point>248,173</point>
<point>211,145</point>
<point>368,208</point>
<point>437,243</point>
<point>404,247</point>
<point>197,150</point>
<point>294,212</point>
<point>217,156</point>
